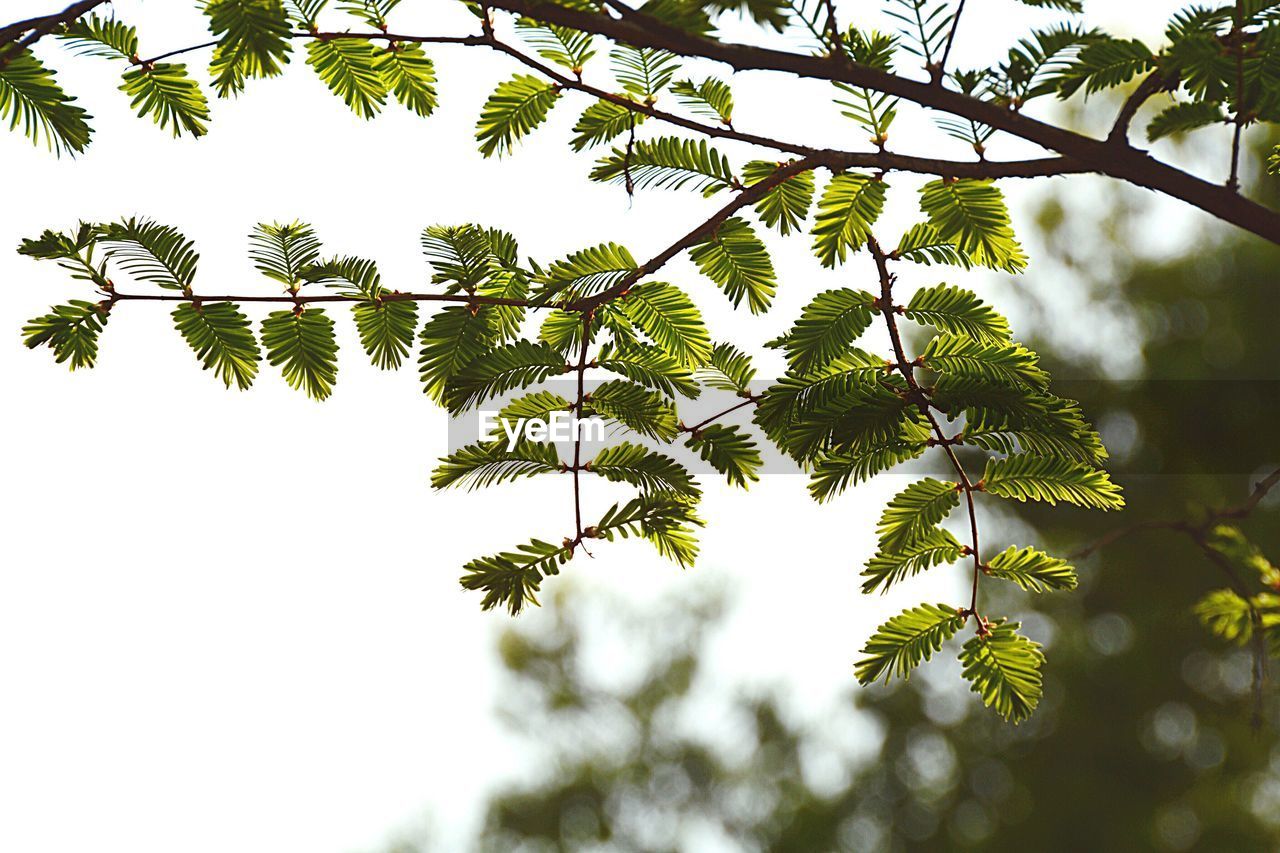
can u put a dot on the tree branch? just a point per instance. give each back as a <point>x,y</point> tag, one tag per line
<point>35,29</point>
<point>1117,161</point>
<point>750,195</point>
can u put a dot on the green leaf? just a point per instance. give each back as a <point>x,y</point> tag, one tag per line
<point>253,41</point>
<point>500,369</point>
<point>71,331</point>
<point>874,111</point>
<point>1074,6</point>
<point>105,37</point>
<point>350,68</point>
<point>644,469</point>
<point>540,405</point>
<point>849,206</point>
<point>386,326</point>
<point>1180,118</point>
<point>1038,478</point>
<point>729,370</point>
<point>1035,62</point>
<point>31,98</point>
<point>1008,419</point>
<point>304,347</point>
<point>587,272</point>
<point>515,109</point>
<point>907,640</point>
<point>565,47</point>
<point>490,463</point>
<point>73,252</point>
<point>845,384</point>
<point>643,72</point>
<point>172,99</point>
<point>462,256</point>
<point>736,260</point>
<point>449,341</point>
<point>410,75</point>
<point>914,511</point>
<point>971,213</point>
<point>603,121</point>
<point>664,519</point>
<point>1034,571</point>
<point>958,312</point>
<point>640,410</point>
<point>924,244</point>
<point>728,450</point>
<point>1226,615</point>
<point>924,25</point>
<point>152,252</point>
<point>222,339</point>
<point>828,325</point>
<point>998,363</point>
<point>1230,542</point>
<point>1004,668</point>
<point>669,318</point>
<point>513,578</point>
<point>667,162</point>
<point>1104,64</point>
<point>711,98</point>
<point>835,470</point>
<point>282,252</point>
<point>648,365</point>
<point>786,205</point>
<point>931,548</point>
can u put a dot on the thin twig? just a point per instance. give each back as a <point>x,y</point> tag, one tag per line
<point>940,71</point>
<point>907,368</point>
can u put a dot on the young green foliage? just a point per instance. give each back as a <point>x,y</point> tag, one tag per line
<point>738,262</point>
<point>514,110</point>
<point>1039,478</point>
<point>222,338</point>
<point>70,330</point>
<point>1034,571</point>
<point>253,41</point>
<point>1003,667</point>
<point>172,99</point>
<point>667,162</point>
<point>786,205</point>
<point>907,640</point>
<point>849,206</point>
<point>31,99</point>
<point>304,347</point>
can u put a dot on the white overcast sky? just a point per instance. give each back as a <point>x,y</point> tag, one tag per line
<point>231,621</point>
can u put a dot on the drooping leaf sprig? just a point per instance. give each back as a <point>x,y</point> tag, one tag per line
<point>508,327</point>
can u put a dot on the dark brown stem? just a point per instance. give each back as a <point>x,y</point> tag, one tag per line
<point>907,368</point>
<point>1150,85</point>
<point>750,401</point>
<point>27,32</point>
<point>1096,155</point>
<point>329,297</point>
<point>577,433</point>
<point>745,197</point>
<point>940,72</point>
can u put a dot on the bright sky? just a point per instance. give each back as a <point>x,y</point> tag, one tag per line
<point>232,620</point>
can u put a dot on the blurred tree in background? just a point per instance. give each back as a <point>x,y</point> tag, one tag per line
<point>1144,741</point>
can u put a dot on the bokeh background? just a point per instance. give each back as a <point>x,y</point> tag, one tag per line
<point>232,621</point>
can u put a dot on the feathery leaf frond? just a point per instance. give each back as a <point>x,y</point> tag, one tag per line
<point>907,640</point>
<point>1003,667</point>
<point>222,338</point>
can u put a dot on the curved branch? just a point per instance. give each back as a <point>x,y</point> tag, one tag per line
<point>36,28</point>
<point>1115,159</point>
